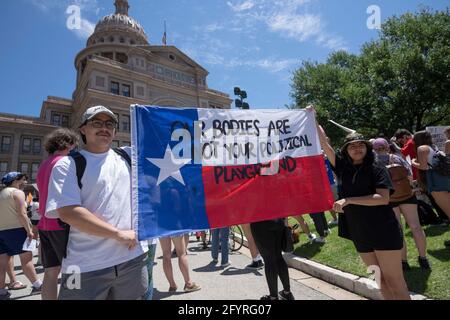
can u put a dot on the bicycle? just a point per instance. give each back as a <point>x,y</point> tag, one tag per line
<point>235,240</point>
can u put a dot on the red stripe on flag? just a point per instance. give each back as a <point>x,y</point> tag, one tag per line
<point>300,187</point>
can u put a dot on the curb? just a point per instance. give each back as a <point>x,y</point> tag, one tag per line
<point>359,285</point>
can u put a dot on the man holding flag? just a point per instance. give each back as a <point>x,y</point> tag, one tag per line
<point>104,259</point>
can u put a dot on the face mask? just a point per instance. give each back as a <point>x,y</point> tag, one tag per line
<point>383,158</point>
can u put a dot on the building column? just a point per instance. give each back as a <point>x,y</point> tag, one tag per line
<point>15,152</point>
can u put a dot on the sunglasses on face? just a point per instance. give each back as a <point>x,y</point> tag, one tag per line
<point>98,124</point>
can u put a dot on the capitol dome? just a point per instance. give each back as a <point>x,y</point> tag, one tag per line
<point>118,28</point>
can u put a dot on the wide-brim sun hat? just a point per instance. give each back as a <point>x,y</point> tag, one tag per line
<point>354,137</point>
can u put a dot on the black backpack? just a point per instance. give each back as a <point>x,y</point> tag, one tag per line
<point>80,165</point>
<point>427,215</point>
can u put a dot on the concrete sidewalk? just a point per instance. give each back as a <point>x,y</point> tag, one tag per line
<point>231,283</point>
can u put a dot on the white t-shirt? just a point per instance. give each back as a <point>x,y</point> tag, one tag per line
<point>106,192</point>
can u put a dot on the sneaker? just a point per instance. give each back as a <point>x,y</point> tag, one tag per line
<point>333,223</point>
<point>226,264</point>
<point>320,240</point>
<point>267,297</point>
<point>35,291</point>
<point>204,245</point>
<point>327,232</point>
<point>214,261</point>
<point>424,263</point>
<point>311,237</point>
<point>193,287</point>
<point>405,265</point>
<point>258,264</point>
<point>286,295</point>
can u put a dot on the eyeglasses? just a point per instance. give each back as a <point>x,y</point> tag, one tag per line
<point>98,124</point>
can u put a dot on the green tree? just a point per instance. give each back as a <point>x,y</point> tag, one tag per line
<point>401,80</point>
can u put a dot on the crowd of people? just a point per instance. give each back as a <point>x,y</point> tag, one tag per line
<point>85,212</point>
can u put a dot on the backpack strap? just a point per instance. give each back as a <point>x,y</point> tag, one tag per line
<point>80,165</point>
<point>123,154</point>
<point>80,162</point>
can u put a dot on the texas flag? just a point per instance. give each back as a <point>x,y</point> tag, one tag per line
<point>196,169</point>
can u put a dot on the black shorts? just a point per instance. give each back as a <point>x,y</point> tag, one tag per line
<point>411,200</point>
<point>365,248</point>
<point>53,247</point>
<point>388,241</point>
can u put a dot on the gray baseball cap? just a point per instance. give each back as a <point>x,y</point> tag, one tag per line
<point>93,111</point>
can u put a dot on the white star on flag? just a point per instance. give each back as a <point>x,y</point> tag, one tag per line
<point>169,166</point>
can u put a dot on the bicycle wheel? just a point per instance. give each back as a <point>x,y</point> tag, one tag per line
<point>236,239</point>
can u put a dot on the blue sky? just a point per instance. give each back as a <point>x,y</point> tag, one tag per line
<point>253,44</point>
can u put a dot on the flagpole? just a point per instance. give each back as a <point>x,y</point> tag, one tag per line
<point>342,127</point>
<point>165,34</point>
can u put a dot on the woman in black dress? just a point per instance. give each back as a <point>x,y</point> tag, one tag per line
<point>366,217</point>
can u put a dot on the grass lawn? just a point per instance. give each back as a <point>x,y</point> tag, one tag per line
<point>340,254</point>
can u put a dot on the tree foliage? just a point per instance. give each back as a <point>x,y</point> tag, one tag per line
<point>400,80</point>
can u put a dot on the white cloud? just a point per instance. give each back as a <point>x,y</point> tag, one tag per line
<point>271,65</point>
<point>287,18</point>
<point>298,26</point>
<point>213,27</point>
<point>246,5</point>
<point>275,66</point>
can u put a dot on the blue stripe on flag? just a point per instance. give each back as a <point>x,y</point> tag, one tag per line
<point>169,208</point>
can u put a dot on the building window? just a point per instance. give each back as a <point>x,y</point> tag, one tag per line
<point>122,57</point>
<point>65,121</point>
<point>140,91</point>
<point>126,123</point>
<point>126,89</point>
<point>26,145</point>
<point>56,119</point>
<point>24,168</point>
<point>99,81</point>
<point>3,168</point>
<point>6,144</point>
<point>115,144</point>
<point>36,146</point>
<point>34,171</point>
<point>114,87</point>
<point>126,144</point>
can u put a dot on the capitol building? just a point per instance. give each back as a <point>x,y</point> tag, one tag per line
<point>118,67</point>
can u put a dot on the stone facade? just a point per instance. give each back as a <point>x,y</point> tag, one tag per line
<point>117,68</point>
